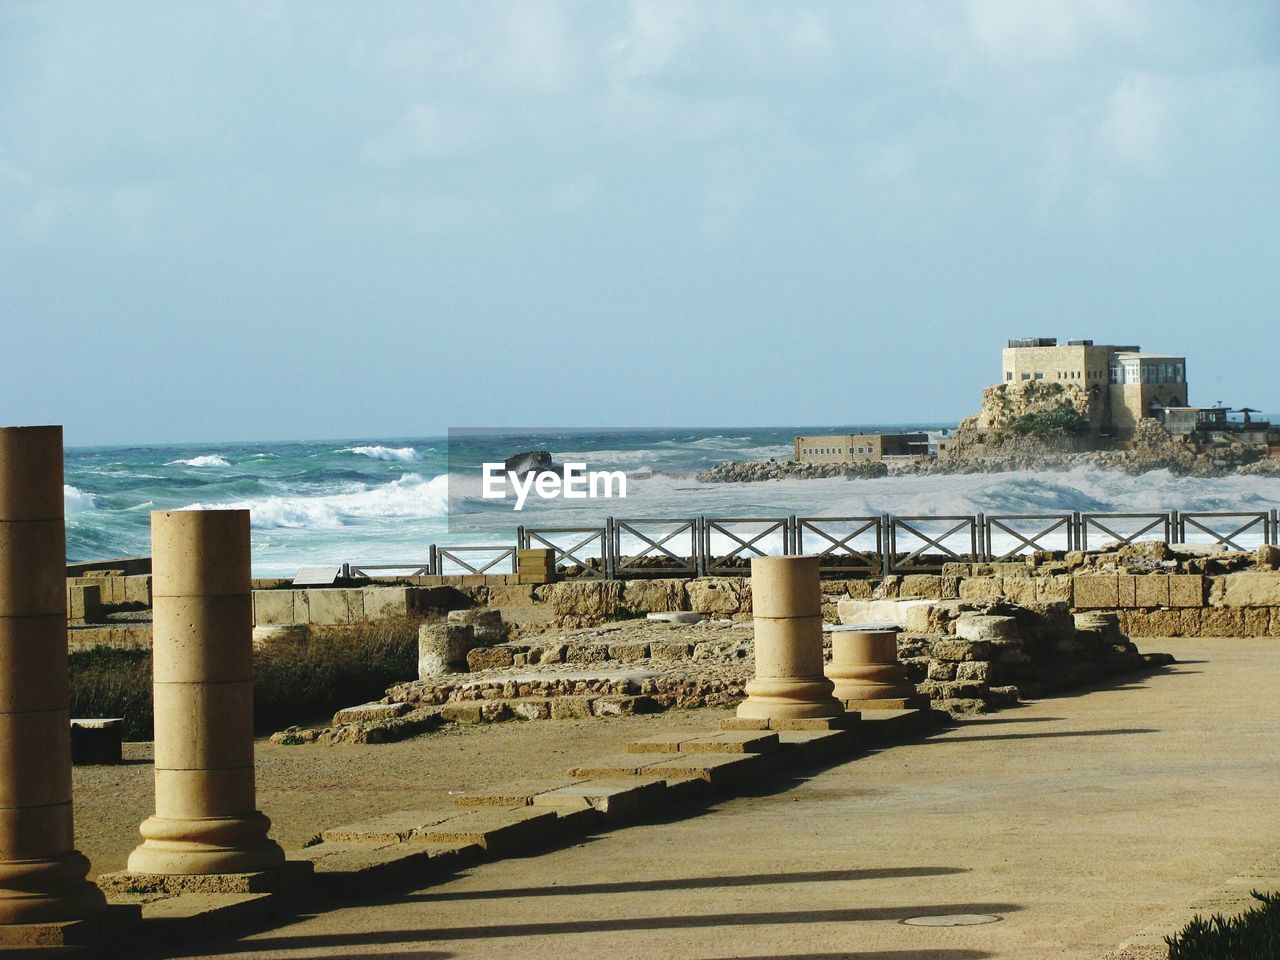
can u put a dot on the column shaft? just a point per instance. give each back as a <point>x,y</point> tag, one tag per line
<point>206,818</point>
<point>42,876</point>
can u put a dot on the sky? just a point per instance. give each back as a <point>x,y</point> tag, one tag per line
<point>264,220</point>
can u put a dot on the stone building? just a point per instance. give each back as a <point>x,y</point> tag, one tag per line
<point>1114,387</point>
<point>861,447</point>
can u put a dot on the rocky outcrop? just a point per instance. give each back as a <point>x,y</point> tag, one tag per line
<point>752,471</point>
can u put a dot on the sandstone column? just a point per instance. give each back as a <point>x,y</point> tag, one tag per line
<point>206,819</point>
<point>42,876</point>
<point>787,606</point>
<point>866,670</point>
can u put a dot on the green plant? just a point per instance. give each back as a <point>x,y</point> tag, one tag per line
<point>1049,422</point>
<point>1253,935</point>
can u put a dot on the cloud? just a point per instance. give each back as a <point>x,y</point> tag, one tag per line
<point>1136,122</point>
<point>424,130</point>
<point>1047,30</point>
<point>654,35</point>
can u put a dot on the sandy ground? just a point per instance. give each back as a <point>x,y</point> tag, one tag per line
<point>1076,821</point>
<point>306,789</point>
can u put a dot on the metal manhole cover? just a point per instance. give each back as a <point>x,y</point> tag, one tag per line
<point>952,920</point>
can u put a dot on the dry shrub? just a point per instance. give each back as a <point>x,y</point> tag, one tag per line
<point>294,681</point>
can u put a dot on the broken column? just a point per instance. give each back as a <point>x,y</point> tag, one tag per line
<point>786,602</point>
<point>206,819</point>
<point>42,876</point>
<point>866,671</point>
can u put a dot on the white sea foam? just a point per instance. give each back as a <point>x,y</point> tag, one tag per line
<point>207,460</point>
<point>75,500</point>
<point>410,497</point>
<point>406,454</point>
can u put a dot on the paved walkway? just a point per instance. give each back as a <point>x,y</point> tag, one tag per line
<point>1076,820</point>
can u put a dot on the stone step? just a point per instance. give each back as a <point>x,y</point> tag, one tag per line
<point>517,794</point>
<point>814,723</point>
<point>617,800</point>
<point>885,726</point>
<point>496,830</point>
<point>200,915</point>
<point>363,867</point>
<point>727,741</point>
<point>818,746</point>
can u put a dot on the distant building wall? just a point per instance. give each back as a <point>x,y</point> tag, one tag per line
<point>859,447</point>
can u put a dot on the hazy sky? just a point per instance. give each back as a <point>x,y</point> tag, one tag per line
<point>287,220</point>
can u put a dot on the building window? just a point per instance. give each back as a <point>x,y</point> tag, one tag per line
<point>1026,376</point>
<point>1008,376</point>
<point>1039,375</point>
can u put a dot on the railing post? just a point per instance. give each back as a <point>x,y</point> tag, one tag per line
<point>433,563</point>
<point>790,542</point>
<point>981,538</point>
<point>886,555</point>
<point>701,540</point>
<point>1177,530</point>
<point>607,551</point>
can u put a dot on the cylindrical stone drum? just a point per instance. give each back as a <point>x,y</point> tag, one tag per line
<point>787,605</point>
<point>864,663</point>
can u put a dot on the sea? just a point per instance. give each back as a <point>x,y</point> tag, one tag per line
<point>380,500</point>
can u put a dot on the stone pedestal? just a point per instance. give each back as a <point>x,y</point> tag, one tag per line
<point>866,672</point>
<point>42,876</point>
<point>787,605</point>
<point>206,821</point>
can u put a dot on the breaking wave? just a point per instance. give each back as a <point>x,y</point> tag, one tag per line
<point>405,454</point>
<point>411,497</point>
<point>208,460</point>
<point>75,500</point>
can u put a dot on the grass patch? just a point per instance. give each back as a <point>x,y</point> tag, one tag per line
<point>295,681</point>
<point>1253,935</point>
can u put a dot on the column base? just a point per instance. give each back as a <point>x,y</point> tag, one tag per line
<point>917,701</point>
<point>48,891</point>
<point>789,698</point>
<point>210,846</point>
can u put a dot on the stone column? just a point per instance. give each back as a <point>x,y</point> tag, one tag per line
<point>206,820</point>
<point>786,602</point>
<point>866,670</point>
<point>42,876</point>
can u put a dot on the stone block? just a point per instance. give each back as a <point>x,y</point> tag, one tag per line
<point>1252,589</point>
<point>654,596</point>
<point>731,741</point>
<point>975,670</point>
<point>628,651</point>
<point>137,589</point>
<point>719,595</point>
<point>957,651</point>
<point>926,586</point>
<point>1186,590</point>
<point>584,602</point>
<point>1221,622</point>
<point>1151,591</point>
<point>468,712</point>
<point>370,713</point>
<point>512,595</point>
<point>1055,589</point>
<point>1126,591</point>
<point>981,588</point>
<point>1022,590</point>
<point>571,708</point>
<point>274,608</point>
<point>1097,592</point>
<point>490,658</point>
<point>586,653</point>
<point>972,627</point>
<point>859,589</point>
<point>670,651</point>
<point>328,606</point>
<point>383,603</point>
<point>960,570</point>
<point>941,670</point>
<point>531,708</point>
<point>951,588</point>
<point>622,705</point>
<point>720,770</point>
<point>1257,621</point>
